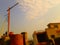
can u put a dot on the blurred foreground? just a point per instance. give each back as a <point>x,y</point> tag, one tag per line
<point>51,36</point>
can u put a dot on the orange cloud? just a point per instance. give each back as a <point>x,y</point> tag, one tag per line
<point>35,8</point>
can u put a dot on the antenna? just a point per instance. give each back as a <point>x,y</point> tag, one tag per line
<point>8,10</point>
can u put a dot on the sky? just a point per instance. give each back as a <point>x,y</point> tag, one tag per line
<point>29,15</point>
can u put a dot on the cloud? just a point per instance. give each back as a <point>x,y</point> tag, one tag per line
<point>35,8</point>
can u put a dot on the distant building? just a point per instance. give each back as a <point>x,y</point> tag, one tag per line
<point>53,32</point>
<point>53,29</point>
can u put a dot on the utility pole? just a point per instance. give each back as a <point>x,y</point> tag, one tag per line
<point>8,10</point>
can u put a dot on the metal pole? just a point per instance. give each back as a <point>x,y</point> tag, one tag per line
<point>8,21</point>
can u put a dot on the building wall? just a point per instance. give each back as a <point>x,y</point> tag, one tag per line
<point>53,29</point>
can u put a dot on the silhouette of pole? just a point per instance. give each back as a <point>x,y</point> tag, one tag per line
<point>8,21</point>
<point>9,17</point>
